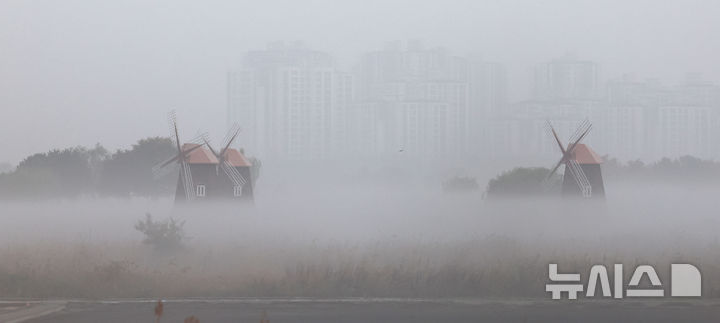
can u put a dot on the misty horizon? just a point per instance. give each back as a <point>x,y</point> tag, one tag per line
<point>359,161</point>
<point>123,66</point>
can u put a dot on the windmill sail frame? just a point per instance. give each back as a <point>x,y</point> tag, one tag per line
<point>568,158</point>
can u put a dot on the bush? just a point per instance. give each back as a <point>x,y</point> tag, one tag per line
<point>162,235</point>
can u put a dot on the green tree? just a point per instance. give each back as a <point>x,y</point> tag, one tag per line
<point>129,172</point>
<point>64,173</point>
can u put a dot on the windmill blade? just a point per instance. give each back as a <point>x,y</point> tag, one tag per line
<point>555,135</point>
<point>186,152</point>
<point>580,179</point>
<point>571,148</point>
<point>234,128</point>
<point>159,169</point>
<point>199,138</point>
<point>207,143</point>
<point>233,174</point>
<point>167,162</point>
<point>578,130</point>
<point>550,128</point>
<point>160,172</point>
<point>582,128</point>
<point>552,172</point>
<point>187,181</point>
<point>547,183</point>
<point>198,143</point>
<point>172,123</point>
<point>229,138</point>
<point>206,140</point>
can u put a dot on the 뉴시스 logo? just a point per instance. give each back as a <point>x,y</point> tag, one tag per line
<point>685,281</point>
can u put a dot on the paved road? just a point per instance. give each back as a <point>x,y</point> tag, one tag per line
<point>15,312</point>
<point>415,311</point>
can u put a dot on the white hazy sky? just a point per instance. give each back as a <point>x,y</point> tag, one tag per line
<point>80,72</point>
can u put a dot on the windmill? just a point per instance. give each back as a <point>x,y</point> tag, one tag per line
<point>186,188</point>
<point>582,165</point>
<point>235,167</point>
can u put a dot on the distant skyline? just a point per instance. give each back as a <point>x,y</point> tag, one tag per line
<point>80,72</point>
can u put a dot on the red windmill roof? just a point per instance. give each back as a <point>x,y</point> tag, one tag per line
<point>584,155</point>
<point>199,155</point>
<point>236,158</point>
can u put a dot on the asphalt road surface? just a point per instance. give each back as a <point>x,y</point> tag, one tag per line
<point>386,310</point>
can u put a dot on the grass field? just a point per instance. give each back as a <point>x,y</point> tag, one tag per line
<point>352,243</point>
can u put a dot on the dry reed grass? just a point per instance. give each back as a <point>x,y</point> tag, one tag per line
<point>489,267</point>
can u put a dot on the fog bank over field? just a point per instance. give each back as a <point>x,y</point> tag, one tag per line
<point>305,208</point>
<point>309,238</point>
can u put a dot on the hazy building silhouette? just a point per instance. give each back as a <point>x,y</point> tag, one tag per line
<point>683,130</point>
<point>523,133</point>
<point>566,79</point>
<point>488,87</point>
<point>626,90</point>
<point>675,120</point>
<point>696,91</point>
<point>425,100</point>
<point>290,101</point>
<point>416,98</point>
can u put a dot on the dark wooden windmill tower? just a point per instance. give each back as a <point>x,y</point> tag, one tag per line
<point>583,176</point>
<point>236,159</point>
<point>195,164</point>
<point>207,174</point>
<point>202,174</point>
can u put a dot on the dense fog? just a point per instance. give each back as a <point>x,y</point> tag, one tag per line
<point>387,148</point>
<point>313,234</point>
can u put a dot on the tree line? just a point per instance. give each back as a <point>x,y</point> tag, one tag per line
<point>81,171</point>
<point>683,169</point>
<point>521,181</point>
